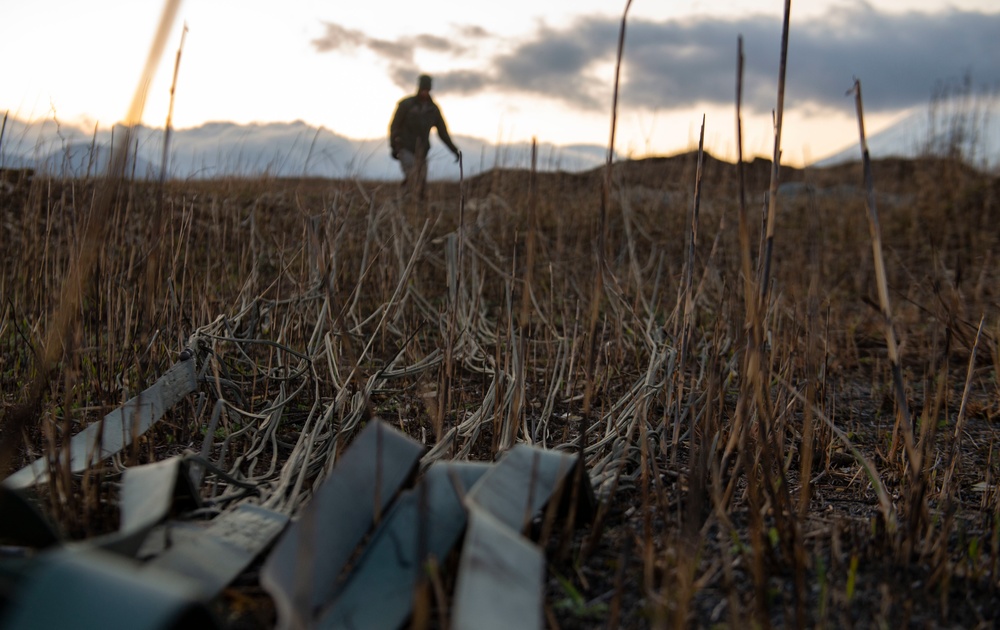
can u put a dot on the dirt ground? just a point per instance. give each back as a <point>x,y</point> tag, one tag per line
<point>704,518</point>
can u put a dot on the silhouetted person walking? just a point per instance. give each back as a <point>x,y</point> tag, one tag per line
<point>409,135</point>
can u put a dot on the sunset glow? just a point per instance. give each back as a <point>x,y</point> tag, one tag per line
<point>339,66</point>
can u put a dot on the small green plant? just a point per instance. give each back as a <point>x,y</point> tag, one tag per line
<point>773,537</point>
<point>852,577</point>
<point>824,587</point>
<point>576,605</point>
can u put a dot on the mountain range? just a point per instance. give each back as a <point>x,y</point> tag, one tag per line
<point>968,127</point>
<point>293,149</point>
<point>297,149</point>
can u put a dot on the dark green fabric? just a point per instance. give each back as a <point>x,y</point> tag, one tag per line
<point>412,123</point>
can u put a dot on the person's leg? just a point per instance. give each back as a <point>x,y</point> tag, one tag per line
<point>420,175</point>
<point>408,164</point>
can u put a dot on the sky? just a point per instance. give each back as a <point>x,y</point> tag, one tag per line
<point>508,71</point>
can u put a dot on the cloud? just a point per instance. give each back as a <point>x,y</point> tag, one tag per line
<point>455,81</point>
<point>435,43</point>
<point>399,54</point>
<point>401,51</point>
<point>340,38</point>
<point>404,76</point>
<point>471,31</point>
<point>552,64</point>
<point>900,59</point>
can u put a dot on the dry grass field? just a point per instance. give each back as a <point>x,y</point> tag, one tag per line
<point>753,466</point>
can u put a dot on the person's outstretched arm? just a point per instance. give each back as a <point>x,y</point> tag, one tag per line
<point>443,134</point>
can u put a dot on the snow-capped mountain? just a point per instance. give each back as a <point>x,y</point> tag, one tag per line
<point>293,149</point>
<point>968,127</point>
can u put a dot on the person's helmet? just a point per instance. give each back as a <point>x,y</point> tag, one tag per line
<point>424,82</point>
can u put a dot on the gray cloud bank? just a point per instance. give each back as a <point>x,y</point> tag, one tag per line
<point>901,59</point>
